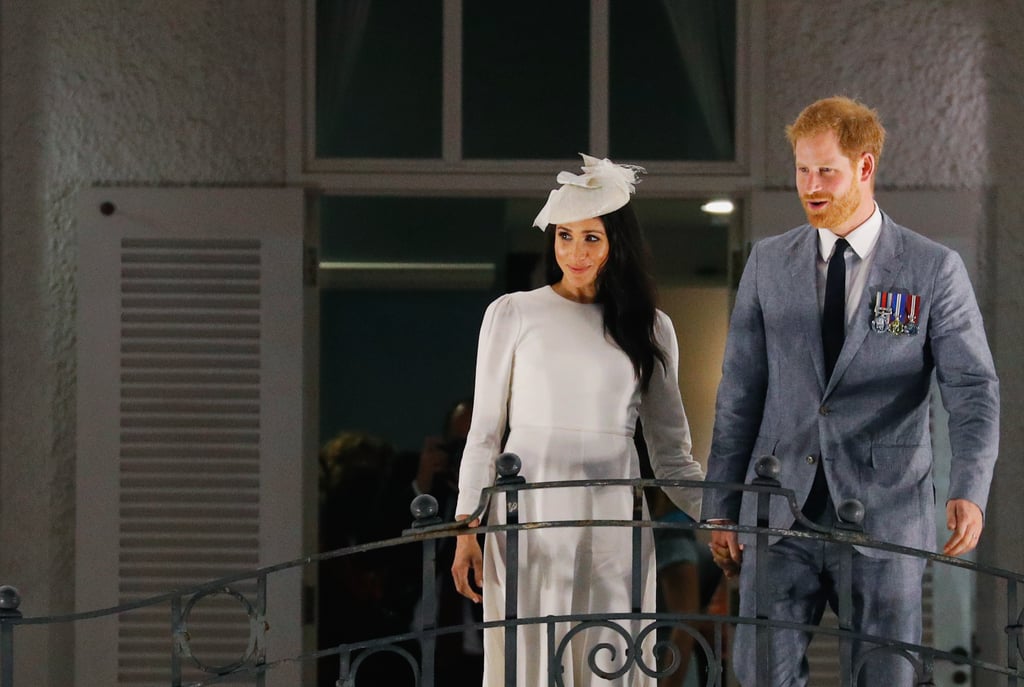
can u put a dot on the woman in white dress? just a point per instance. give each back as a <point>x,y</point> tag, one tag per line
<point>567,370</point>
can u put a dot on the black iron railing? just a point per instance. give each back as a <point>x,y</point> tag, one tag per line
<point>416,648</point>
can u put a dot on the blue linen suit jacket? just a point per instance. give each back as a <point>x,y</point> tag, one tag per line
<point>869,424</point>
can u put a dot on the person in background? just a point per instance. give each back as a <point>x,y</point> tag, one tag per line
<point>459,656</point>
<point>365,595</point>
<point>437,470</point>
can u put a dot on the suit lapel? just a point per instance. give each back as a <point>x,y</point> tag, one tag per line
<point>885,265</point>
<point>803,272</point>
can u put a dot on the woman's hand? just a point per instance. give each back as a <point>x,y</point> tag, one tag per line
<point>468,559</point>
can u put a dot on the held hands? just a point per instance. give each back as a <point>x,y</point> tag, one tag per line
<point>468,559</point>
<point>726,550</point>
<point>965,521</point>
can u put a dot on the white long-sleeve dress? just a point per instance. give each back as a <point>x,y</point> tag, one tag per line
<point>570,399</point>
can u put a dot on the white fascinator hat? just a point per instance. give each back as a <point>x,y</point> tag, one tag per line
<point>602,188</point>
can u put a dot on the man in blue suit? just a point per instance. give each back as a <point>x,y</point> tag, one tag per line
<point>838,327</point>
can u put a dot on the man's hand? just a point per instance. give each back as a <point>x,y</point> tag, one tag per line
<point>726,550</point>
<point>468,566</point>
<point>965,521</point>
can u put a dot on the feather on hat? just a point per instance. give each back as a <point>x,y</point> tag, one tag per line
<point>602,188</point>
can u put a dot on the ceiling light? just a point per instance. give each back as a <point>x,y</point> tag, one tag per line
<point>721,206</point>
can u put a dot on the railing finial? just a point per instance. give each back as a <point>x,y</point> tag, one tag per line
<point>10,600</point>
<point>509,464</point>
<point>424,509</point>
<point>851,513</point>
<point>768,467</point>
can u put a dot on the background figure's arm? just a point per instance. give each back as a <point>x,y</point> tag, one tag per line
<point>680,587</point>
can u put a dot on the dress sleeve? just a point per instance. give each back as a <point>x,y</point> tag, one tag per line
<point>499,333</point>
<point>665,427</point>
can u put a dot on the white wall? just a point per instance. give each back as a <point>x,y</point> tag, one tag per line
<point>920,63</point>
<point>701,319</point>
<point>100,91</point>
<point>1004,66</point>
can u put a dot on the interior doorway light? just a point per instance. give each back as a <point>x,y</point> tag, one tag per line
<point>718,206</point>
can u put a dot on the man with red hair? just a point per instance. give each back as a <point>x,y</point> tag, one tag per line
<point>838,327</point>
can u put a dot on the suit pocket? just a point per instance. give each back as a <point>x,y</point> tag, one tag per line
<point>896,491</point>
<point>900,465</point>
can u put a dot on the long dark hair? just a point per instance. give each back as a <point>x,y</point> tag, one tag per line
<point>625,290</point>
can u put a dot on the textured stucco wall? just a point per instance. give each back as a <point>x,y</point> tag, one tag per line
<point>1004,71</point>
<point>918,62</point>
<point>101,91</point>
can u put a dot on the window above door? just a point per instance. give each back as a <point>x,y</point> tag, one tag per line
<point>469,87</point>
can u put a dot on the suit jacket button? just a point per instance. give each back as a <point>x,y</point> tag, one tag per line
<point>810,460</point>
<point>823,410</point>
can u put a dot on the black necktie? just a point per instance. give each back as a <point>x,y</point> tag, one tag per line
<point>833,317</point>
<point>833,331</point>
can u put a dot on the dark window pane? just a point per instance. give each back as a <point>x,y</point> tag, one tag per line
<point>386,229</point>
<point>378,78</point>
<point>672,79</point>
<point>526,75</point>
<point>394,358</point>
<point>392,362</point>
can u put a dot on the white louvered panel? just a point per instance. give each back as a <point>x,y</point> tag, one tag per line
<point>196,394</point>
<point>189,471</point>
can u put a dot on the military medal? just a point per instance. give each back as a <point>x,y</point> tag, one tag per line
<point>882,312</point>
<point>896,313</point>
<point>896,319</point>
<point>913,311</point>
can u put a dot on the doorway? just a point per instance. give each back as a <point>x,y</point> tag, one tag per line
<point>404,282</point>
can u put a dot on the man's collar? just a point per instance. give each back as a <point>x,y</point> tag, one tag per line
<point>862,239</point>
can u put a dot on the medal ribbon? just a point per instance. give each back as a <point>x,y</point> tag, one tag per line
<point>914,308</point>
<point>899,300</point>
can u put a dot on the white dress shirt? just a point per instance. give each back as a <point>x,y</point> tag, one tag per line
<point>862,241</point>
